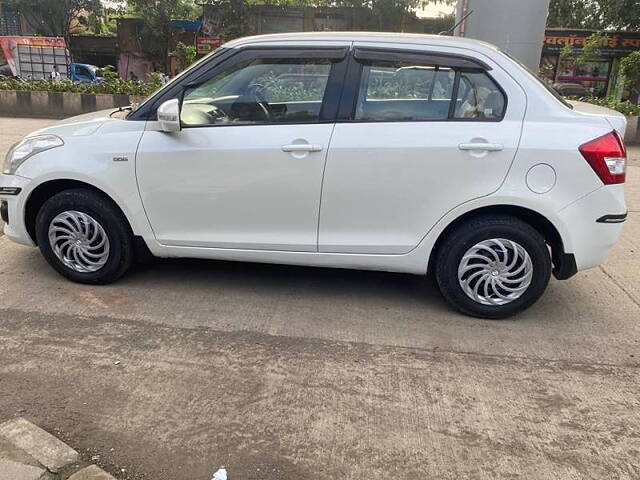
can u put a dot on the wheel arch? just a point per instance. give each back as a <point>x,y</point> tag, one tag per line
<point>48,189</point>
<point>563,263</point>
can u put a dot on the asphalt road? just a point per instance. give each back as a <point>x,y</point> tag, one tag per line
<point>299,373</point>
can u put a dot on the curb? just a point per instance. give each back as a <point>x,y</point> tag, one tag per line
<point>28,452</point>
<point>26,103</point>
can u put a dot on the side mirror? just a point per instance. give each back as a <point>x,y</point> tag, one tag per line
<point>169,116</point>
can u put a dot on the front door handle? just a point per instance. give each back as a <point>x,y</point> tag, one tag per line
<point>487,147</point>
<point>301,147</point>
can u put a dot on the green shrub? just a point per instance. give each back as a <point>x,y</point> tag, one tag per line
<point>111,84</point>
<point>626,108</point>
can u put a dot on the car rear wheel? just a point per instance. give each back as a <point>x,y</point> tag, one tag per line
<point>84,237</point>
<point>493,267</point>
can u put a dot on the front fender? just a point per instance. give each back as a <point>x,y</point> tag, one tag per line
<point>105,162</point>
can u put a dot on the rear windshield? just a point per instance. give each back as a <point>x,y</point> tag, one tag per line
<point>548,87</point>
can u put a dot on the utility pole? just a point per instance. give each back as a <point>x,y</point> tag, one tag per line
<point>516,26</point>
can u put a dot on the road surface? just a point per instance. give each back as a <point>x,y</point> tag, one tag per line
<point>298,373</point>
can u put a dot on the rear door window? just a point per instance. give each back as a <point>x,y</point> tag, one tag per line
<point>401,91</point>
<point>409,91</point>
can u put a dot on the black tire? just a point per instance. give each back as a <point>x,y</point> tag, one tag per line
<point>479,229</point>
<point>114,224</point>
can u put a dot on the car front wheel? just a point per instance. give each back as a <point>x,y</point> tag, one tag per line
<point>84,236</point>
<point>493,266</point>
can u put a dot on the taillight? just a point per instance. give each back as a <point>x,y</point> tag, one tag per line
<point>608,157</point>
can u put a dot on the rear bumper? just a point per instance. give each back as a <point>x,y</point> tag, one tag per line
<point>594,224</point>
<point>13,207</point>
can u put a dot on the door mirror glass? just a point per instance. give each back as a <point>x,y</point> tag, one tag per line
<point>169,115</point>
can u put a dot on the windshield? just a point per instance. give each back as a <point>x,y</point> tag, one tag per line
<point>548,87</point>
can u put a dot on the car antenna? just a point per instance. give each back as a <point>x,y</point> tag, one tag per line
<point>450,31</point>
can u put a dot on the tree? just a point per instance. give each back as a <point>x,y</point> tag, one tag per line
<point>630,71</point>
<point>186,55</point>
<point>54,18</point>
<point>591,49</point>
<point>233,16</point>
<point>156,31</point>
<point>595,14</point>
<point>381,15</point>
<point>630,67</point>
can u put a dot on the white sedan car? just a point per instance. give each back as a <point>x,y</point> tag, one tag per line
<point>403,153</point>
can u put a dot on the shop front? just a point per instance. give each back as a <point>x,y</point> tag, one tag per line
<point>598,76</point>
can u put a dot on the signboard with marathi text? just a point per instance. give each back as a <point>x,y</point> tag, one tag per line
<point>207,44</point>
<point>35,57</point>
<point>613,44</point>
<point>210,34</point>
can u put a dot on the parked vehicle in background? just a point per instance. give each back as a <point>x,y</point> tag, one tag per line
<point>84,73</point>
<point>572,90</point>
<point>403,153</point>
<point>36,57</point>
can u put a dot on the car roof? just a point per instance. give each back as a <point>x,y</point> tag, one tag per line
<point>382,37</point>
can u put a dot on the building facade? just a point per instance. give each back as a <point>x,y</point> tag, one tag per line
<point>599,75</point>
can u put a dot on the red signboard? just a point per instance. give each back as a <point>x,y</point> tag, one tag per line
<point>612,44</point>
<point>208,44</point>
<point>10,44</point>
<point>54,42</point>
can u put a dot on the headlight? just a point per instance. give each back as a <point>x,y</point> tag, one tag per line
<point>27,148</point>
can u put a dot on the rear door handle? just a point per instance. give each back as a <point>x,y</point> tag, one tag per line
<point>488,147</point>
<point>301,147</point>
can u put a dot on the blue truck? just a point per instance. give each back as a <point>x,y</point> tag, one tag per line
<point>85,73</point>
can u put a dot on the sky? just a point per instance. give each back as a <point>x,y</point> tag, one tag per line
<point>435,10</point>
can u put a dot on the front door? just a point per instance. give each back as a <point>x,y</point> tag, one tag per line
<point>246,169</point>
<point>424,133</point>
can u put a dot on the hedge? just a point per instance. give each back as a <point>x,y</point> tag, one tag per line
<point>112,85</point>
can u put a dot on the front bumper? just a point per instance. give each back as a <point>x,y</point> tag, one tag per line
<point>13,196</point>
<point>591,238</point>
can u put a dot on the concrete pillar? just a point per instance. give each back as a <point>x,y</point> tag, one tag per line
<point>516,26</point>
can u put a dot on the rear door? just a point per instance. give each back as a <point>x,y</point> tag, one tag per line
<point>418,133</point>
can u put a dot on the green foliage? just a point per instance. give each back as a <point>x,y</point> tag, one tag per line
<point>234,16</point>
<point>626,108</point>
<point>630,68</point>
<point>591,49</point>
<point>383,15</point>
<point>186,55</point>
<point>157,32</point>
<point>111,84</point>
<point>595,15</point>
<point>566,52</point>
<point>54,17</point>
<point>437,25</point>
<point>379,15</point>
<point>101,23</point>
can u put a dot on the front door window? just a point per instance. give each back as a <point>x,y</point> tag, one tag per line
<point>259,91</point>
